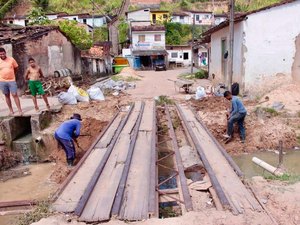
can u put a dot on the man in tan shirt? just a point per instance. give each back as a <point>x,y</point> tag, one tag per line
<point>34,74</point>
<point>8,85</point>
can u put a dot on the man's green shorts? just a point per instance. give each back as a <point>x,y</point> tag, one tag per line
<point>36,87</point>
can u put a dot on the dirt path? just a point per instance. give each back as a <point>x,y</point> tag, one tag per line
<point>158,83</point>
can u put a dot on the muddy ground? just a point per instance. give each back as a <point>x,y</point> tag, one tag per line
<point>264,129</point>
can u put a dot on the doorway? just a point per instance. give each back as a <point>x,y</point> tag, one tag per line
<point>224,56</point>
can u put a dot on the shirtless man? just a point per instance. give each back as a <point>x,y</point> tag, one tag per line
<point>33,74</point>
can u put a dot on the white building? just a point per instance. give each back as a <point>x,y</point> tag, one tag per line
<point>148,46</point>
<point>266,48</point>
<point>181,17</point>
<point>85,18</point>
<point>139,15</point>
<point>179,55</point>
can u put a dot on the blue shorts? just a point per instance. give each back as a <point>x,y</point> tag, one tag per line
<point>8,87</point>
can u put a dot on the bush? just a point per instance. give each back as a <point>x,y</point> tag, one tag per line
<point>202,74</point>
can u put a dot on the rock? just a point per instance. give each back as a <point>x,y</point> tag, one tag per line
<point>278,106</point>
<point>264,201</point>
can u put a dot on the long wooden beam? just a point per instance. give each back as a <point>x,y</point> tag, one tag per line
<point>121,188</point>
<point>223,199</point>
<point>80,206</point>
<point>184,187</point>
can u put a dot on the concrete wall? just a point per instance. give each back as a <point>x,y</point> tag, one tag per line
<point>185,20</point>
<point>215,66</point>
<point>270,38</point>
<point>140,15</point>
<point>98,22</point>
<point>52,51</point>
<point>149,43</point>
<point>179,58</point>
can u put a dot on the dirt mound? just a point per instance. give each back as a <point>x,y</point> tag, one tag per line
<point>90,130</point>
<point>128,72</point>
<point>288,94</point>
<point>8,158</point>
<point>211,104</point>
<point>263,131</point>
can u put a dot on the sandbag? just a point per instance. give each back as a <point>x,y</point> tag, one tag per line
<point>67,98</point>
<point>80,94</point>
<point>95,93</point>
<point>200,93</point>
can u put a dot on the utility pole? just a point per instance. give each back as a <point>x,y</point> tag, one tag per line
<point>231,42</point>
<point>193,37</point>
<point>93,18</point>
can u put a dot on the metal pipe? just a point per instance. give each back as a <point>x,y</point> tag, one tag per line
<point>88,191</point>
<point>267,166</point>
<point>121,188</point>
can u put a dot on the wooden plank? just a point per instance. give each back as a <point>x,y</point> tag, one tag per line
<point>107,137</point>
<point>87,193</point>
<point>136,197</point>
<point>99,204</point>
<point>183,183</point>
<point>153,195</point>
<point>237,195</point>
<point>186,118</point>
<point>73,191</point>
<point>135,201</point>
<point>86,155</point>
<point>69,198</point>
<point>120,192</point>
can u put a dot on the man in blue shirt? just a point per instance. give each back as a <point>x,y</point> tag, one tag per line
<point>237,114</point>
<point>65,134</point>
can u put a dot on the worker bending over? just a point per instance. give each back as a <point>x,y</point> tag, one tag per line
<point>66,133</point>
<point>237,114</point>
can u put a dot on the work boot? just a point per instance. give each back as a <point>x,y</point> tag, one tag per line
<point>227,136</point>
<point>70,162</point>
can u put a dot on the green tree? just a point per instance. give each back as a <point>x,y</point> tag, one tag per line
<point>100,34</point>
<point>38,17</point>
<point>78,35</point>
<point>123,30</point>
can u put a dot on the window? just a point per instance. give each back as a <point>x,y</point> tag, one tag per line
<point>197,17</point>
<point>26,22</point>
<point>157,37</point>
<point>185,56</point>
<point>11,22</point>
<point>74,18</point>
<point>165,16</point>
<point>142,38</point>
<point>84,21</point>
<point>181,17</point>
<point>174,54</point>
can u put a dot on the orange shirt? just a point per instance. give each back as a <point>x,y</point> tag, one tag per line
<point>7,66</point>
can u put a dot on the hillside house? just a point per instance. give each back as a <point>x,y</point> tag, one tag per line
<point>159,16</point>
<point>97,60</point>
<point>84,18</point>
<point>148,15</point>
<point>51,49</point>
<point>148,46</point>
<point>181,17</point>
<point>266,54</point>
<point>179,55</point>
<point>148,2</point>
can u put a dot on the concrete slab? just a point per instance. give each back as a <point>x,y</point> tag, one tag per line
<point>28,107</point>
